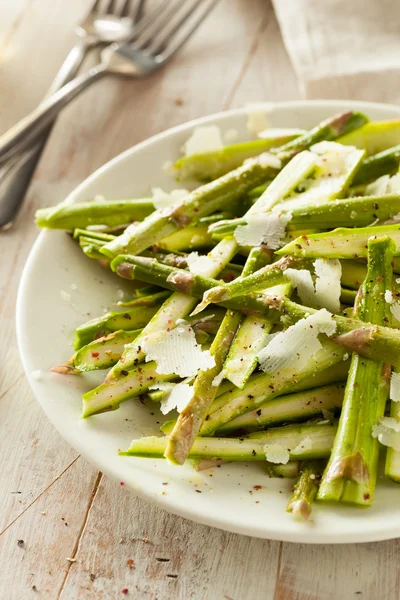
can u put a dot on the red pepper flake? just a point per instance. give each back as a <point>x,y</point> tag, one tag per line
<point>124,591</point>
<point>131,563</point>
<point>95,354</point>
<point>122,483</point>
<point>257,487</point>
<point>367,496</point>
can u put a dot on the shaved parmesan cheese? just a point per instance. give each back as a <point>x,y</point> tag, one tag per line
<point>395,309</point>
<point>327,285</point>
<point>395,387</point>
<point>345,356</point>
<point>177,352</point>
<point>266,159</point>
<point>384,185</point>
<point>304,446</point>
<point>163,199</point>
<point>178,396</point>
<point>388,297</point>
<point>302,280</point>
<point>230,136</point>
<point>218,379</point>
<point>326,147</point>
<point>256,119</point>
<point>97,227</point>
<point>387,432</point>
<point>292,348</point>
<point>275,453</point>
<point>199,265</point>
<point>263,229</point>
<point>204,139</point>
<point>168,168</point>
<point>277,132</point>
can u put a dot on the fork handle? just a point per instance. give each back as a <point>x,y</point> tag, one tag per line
<point>33,124</point>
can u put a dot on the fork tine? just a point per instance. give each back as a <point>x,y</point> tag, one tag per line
<point>138,12</point>
<point>166,36</point>
<point>173,48</point>
<point>155,24</point>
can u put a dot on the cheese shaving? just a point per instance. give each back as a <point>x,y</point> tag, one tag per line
<point>263,229</point>
<point>327,285</point>
<point>204,139</point>
<point>230,136</point>
<point>266,159</point>
<point>387,432</point>
<point>218,379</point>
<point>256,119</point>
<point>163,199</point>
<point>277,454</point>
<point>388,297</point>
<point>199,265</point>
<point>395,309</point>
<point>177,352</point>
<point>292,348</point>
<point>395,387</point>
<point>177,397</point>
<point>302,280</point>
<point>304,446</point>
<point>384,185</point>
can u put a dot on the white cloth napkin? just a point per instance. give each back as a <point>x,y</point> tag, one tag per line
<point>343,48</point>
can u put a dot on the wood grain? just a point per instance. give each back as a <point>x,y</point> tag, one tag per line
<point>237,57</point>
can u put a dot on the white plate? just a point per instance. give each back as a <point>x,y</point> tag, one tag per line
<point>45,323</point>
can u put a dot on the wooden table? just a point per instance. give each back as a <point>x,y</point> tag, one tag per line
<point>66,531</point>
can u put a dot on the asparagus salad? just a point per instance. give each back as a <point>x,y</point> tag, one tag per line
<point>265,306</point>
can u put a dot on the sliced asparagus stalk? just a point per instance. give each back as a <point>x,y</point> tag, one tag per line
<point>340,243</point>
<point>250,448</point>
<point>374,137</point>
<point>211,165</point>
<point>194,237</point>
<point>102,353</point>
<point>383,163</point>
<point>347,296</point>
<point>134,318</point>
<point>288,471</point>
<point>351,472</point>
<point>134,383</point>
<point>178,306</point>
<point>290,407</point>
<point>267,386</point>
<point>192,416</point>
<point>201,202</point>
<point>367,339</point>
<point>111,213</point>
<point>305,489</point>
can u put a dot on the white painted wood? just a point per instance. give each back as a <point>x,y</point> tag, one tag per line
<point>236,57</point>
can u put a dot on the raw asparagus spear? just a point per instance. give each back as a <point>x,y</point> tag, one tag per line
<point>102,353</point>
<point>134,383</point>
<point>268,386</point>
<point>178,306</point>
<point>134,318</point>
<point>288,471</point>
<point>201,202</point>
<point>290,407</point>
<point>192,416</point>
<point>211,165</point>
<point>250,448</point>
<point>350,475</point>
<point>266,277</point>
<point>111,213</point>
<point>340,243</point>
<point>375,342</point>
<point>374,137</point>
<point>305,488</point>
<point>383,163</point>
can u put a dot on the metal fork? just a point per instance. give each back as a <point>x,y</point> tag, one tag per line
<point>157,38</point>
<point>107,21</point>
